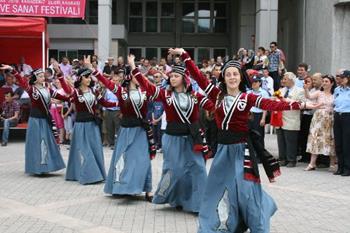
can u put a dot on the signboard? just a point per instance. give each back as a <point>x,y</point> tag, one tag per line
<point>46,8</point>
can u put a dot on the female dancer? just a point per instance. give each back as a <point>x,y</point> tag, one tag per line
<point>233,190</point>
<point>42,154</point>
<point>184,175</point>
<point>130,171</point>
<point>86,162</point>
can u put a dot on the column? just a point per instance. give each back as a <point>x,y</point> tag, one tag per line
<point>104,28</point>
<point>266,22</point>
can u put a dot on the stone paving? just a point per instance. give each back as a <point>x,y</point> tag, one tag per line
<point>314,201</point>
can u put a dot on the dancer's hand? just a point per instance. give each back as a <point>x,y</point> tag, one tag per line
<point>131,61</point>
<point>87,62</point>
<point>6,67</point>
<point>176,51</point>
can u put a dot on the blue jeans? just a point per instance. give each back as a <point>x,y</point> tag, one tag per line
<point>7,124</point>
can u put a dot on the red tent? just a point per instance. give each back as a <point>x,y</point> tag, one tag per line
<point>24,36</point>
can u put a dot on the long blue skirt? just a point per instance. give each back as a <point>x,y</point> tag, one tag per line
<point>228,197</point>
<point>184,175</point>
<point>130,170</point>
<point>42,154</point>
<point>86,162</point>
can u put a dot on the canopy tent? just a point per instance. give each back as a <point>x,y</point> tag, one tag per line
<point>24,37</point>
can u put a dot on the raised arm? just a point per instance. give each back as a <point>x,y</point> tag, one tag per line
<point>24,83</point>
<point>211,90</point>
<point>153,92</point>
<point>110,85</point>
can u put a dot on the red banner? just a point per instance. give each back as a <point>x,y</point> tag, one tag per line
<point>47,8</point>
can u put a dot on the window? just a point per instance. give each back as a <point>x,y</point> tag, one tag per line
<point>167,14</point>
<point>219,52</point>
<point>137,53</point>
<point>135,19</point>
<point>151,53</point>
<point>152,16</point>
<point>188,14</point>
<point>220,21</point>
<point>204,16</point>
<point>71,54</point>
<point>203,53</point>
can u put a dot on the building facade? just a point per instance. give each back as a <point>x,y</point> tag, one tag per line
<point>314,31</point>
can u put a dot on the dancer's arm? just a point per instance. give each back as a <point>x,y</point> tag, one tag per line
<point>211,90</point>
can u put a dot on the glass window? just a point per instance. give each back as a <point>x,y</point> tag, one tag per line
<point>135,8</point>
<point>203,53</point>
<point>93,12</point>
<point>151,25</point>
<point>137,52</point>
<point>164,52</point>
<point>167,25</point>
<point>151,9</point>
<point>188,9</point>
<point>190,51</point>
<point>204,25</point>
<point>219,25</point>
<point>151,53</point>
<point>188,25</point>
<point>135,25</point>
<point>219,52</point>
<point>53,53</point>
<point>167,9</point>
<point>219,10</point>
<point>204,10</point>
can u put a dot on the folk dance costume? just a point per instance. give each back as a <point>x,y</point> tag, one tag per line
<point>42,153</point>
<point>86,161</point>
<point>130,172</point>
<point>184,174</point>
<point>233,192</point>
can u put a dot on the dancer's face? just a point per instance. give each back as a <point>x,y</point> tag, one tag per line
<point>232,77</point>
<point>85,81</point>
<point>176,80</point>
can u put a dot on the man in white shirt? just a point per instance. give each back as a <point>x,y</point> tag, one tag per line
<point>267,82</point>
<point>23,68</point>
<point>65,67</point>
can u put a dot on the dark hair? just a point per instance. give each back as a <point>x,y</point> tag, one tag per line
<point>303,65</point>
<point>262,49</point>
<point>78,81</point>
<point>242,85</point>
<point>9,92</point>
<point>188,90</point>
<point>332,79</point>
<point>33,78</point>
<point>274,43</point>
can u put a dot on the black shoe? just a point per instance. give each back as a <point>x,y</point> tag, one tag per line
<point>347,173</point>
<point>283,163</point>
<point>291,164</point>
<point>338,172</point>
<point>4,144</point>
<point>149,198</point>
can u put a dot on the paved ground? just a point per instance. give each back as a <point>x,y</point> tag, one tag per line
<point>308,202</point>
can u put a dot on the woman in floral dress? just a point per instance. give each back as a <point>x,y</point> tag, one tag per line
<point>321,139</point>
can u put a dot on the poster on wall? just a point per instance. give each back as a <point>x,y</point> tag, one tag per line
<point>46,8</point>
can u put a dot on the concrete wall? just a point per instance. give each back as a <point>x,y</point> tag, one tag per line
<point>246,23</point>
<point>341,37</point>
